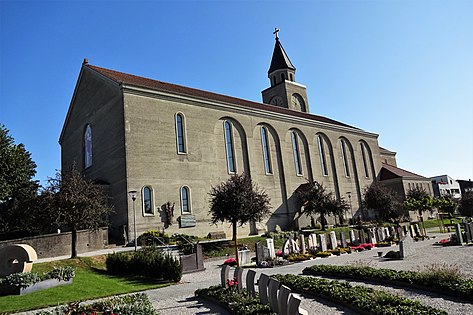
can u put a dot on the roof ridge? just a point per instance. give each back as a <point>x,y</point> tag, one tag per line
<point>131,79</point>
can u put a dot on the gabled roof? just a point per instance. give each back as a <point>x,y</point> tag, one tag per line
<point>133,80</point>
<point>390,172</point>
<point>386,151</point>
<point>280,60</point>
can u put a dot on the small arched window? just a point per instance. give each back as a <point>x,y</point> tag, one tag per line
<point>185,200</point>
<point>147,200</point>
<point>87,146</point>
<point>323,160</point>
<point>266,152</point>
<point>343,151</point>
<point>231,165</point>
<point>283,77</point>
<point>274,80</point>
<point>297,156</point>
<point>291,76</point>
<point>180,133</point>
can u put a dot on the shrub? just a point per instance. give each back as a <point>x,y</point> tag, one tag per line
<point>323,254</point>
<point>148,262</point>
<point>240,302</point>
<point>298,257</point>
<point>441,276</point>
<point>153,237</point>
<point>25,279</point>
<point>363,298</point>
<point>136,304</point>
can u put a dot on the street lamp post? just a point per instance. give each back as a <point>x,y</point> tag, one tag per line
<point>133,197</point>
<point>351,210</point>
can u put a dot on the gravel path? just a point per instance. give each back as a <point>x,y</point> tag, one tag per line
<point>180,300</point>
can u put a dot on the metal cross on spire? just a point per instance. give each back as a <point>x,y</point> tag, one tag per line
<point>276,30</point>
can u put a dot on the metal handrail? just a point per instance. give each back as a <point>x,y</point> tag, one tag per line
<point>165,245</point>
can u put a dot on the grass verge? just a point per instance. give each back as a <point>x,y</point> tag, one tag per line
<point>91,282</point>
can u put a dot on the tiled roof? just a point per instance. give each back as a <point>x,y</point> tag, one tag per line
<point>390,171</point>
<point>129,79</point>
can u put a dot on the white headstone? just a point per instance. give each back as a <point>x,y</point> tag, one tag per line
<point>371,236</point>
<point>387,232</point>
<point>270,245</point>
<point>312,241</point>
<point>290,246</point>
<point>333,240</point>
<point>323,242</point>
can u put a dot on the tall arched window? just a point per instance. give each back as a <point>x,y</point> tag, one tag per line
<point>147,200</point>
<point>180,133</point>
<point>231,165</point>
<point>266,153</point>
<point>297,156</point>
<point>323,160</point>
<point>185,200</point>
<point>343,151</point>
<point>87,146</point>
<point>364,158</point>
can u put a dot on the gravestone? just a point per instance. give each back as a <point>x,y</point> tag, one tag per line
<point>250,282</point>
<point>467,237</point>
<point>352,236</point>
<point>406,247</point>
<point>412,231</point>
<point>283,299</point>
<point>322,242</point>
<point>238,274</point>
<point>362,236</point>
<point>371,236</point>
<point>312,241</point>
<point>273,288</point>
<point>293,306</point>
<point>458,233</point>
<point>378,235</point>
<point>302,243</point>
<point>270,245</point>
<point>417,230</point>
<point>263,288</point>
<point>259,248</point>
<point>404,231</point>
<point>471,230</point>
<point>224,274</point>
<point>16,258</point>
<point>333,240</point>
<point>343,241</point>
<point>382,234</point>
<point>244,256</point>
<point>387,232</point>
<point>290,246</point>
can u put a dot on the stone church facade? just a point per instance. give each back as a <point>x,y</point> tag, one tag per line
<point>172,143</point>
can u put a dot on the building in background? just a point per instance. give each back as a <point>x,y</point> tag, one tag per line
<point>445,185</point>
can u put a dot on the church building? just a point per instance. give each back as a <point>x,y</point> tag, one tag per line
<point>172,143</point>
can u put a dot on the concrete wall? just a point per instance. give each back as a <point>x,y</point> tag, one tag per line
<point>53,245</point>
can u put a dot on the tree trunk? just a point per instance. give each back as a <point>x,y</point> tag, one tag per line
<point>236,243</point>
<point>74,243</point>
<point>322,221</point>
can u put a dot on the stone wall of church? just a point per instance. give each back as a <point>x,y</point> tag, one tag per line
<point>152,159</point>
<point>98,102</point>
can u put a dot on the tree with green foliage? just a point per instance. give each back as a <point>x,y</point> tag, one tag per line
<point>446,204</point>
<point>418,200</point>
<point>466,204</point>
<point>238,201</point>
<point>383,201</point>
<point>313,198</point>
<point>76,203</point>
<point>17,187</point>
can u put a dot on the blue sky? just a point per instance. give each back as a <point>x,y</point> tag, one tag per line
<point>401,69</point>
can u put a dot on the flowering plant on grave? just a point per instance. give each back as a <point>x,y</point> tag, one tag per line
<point>444,241</point>
<point>367,245</point>
<point>279,253</point>
<point>230,262</point>
<point>231,283</point>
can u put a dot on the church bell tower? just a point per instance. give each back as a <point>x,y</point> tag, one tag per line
<point>284,91</point>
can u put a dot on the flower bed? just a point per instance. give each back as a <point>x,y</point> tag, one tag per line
<point>135,304</point>
<point>445,279</point>
<point>360,297</point>
<point>26,282</point>
<point>237,302</point>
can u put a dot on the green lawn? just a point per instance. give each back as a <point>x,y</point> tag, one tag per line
<point>90,282</point>
<point>435,223</point>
